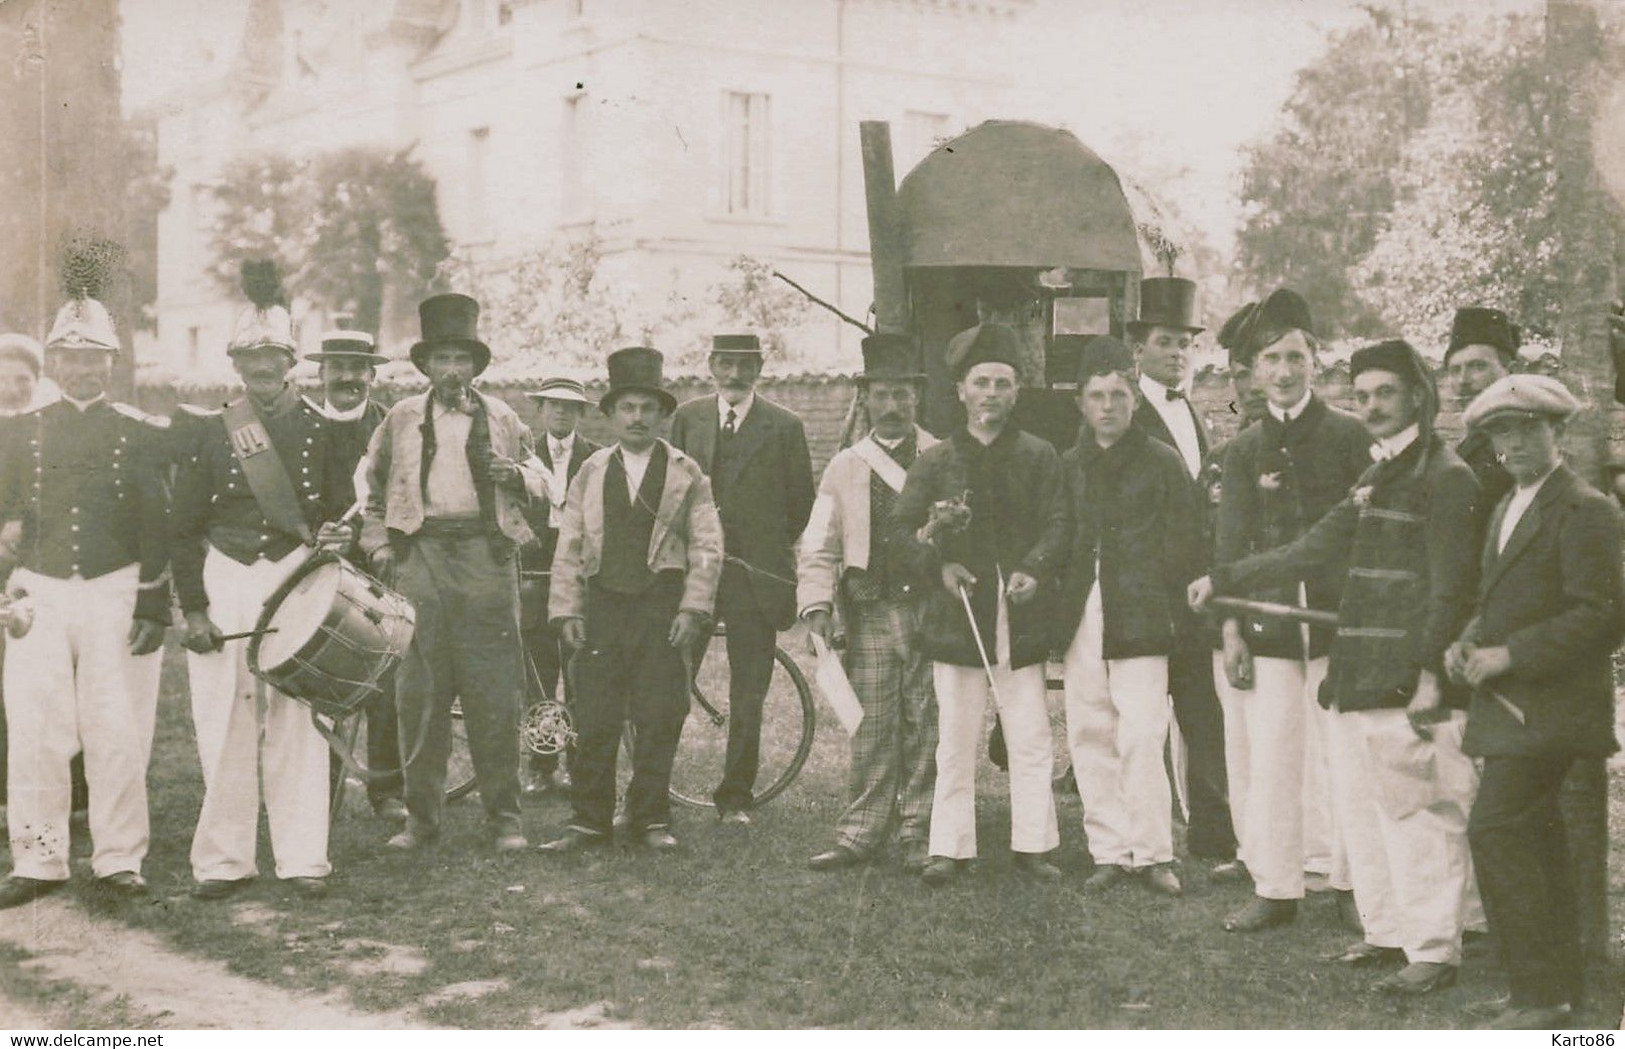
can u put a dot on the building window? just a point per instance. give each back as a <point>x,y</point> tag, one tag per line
<point>479,153</point>
<point>921,133</point>
<point>745,168</point>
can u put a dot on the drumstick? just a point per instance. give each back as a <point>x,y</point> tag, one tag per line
<point>248,633</point>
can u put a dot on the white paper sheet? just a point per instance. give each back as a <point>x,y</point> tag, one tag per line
<point>830,677</point>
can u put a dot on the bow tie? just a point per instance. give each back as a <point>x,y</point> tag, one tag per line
<point>1175,395</point>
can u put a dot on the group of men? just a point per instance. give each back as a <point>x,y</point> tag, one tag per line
<point>1406,608</point>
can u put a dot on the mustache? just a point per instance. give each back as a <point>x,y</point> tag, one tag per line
<point>892,417</point>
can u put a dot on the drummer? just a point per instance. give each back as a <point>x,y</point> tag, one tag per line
<point>559,405</point>
<point>347,366</point>
<point>263,482</point>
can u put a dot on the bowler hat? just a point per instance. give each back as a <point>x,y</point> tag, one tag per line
<point>1166,302</point>
<point>347,345</point>
<point>1482,326</point>
<point>450,320</point>
<point>890,356</point>
<point>746,343</point>
<point>986,343</point>
<point>636,369</point>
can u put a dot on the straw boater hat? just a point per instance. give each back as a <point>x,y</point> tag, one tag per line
<point>1166,302</point>
<point>559,388</point>
<point>343,344</point>
<point>637,369</point>
<point>1524,395</point>
<point>265,323</point>
<point>450,320</point>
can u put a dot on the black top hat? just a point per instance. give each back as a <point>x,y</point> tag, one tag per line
<point>450,320</point>
<point>1103,355</point>
<point>986,343</point>
<point>636,369</point>
<point>1285,310</point>
<point>890,356</point>
<point>1166,302</point>
<point>1482,326</point>
<point>736,344</point>
<point>349,346</point>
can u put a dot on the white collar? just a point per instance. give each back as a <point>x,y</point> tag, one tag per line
<point>85,405</point>
<point>345,415</point>
<point>740,410</point>
<point>560,445</point>
<point>637,457</point>
<point>1393,447</point>
<point>891,445</point>
<point>1157,393</point>
<point>1286,415</point>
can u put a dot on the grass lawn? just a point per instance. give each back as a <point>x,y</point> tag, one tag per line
<point>734,931</point>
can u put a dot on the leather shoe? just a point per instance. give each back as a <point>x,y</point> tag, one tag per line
<point>1348,912</point>
<point>1162,879</point>
<point>1261,914</point>
<point>1417,979</point>
<point>1231,872</point>
<point>1034,865</point>
<point>16,890</point>
<point>659,839</point>
<point>939,870</point>
<point>574,839</point>
<point>1105,877</point>
<point>839,858</point>
<point>914,857</point>
<point>510,841</point>
<point>309,888</point>
<point>409,839</point>
<point>128,883</point>
<point>1363,955</point>
<point>390,809</point>
<point>218,888</point>
<point>1530,1018</point>
<point>738,817</point>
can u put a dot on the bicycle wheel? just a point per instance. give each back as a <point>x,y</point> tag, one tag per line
<point>788,720</point>
<point>460,765</point>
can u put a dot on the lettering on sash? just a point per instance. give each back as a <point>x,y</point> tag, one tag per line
<point>250,439</point>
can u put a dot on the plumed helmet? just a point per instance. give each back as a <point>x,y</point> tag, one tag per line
<point>83,323</point>
<point>265,322</point>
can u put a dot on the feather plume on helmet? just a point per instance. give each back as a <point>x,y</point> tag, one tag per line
<point>265,322</point>
<point>83,323</point>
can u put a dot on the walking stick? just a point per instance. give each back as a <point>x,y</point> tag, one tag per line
<point>981,647</point>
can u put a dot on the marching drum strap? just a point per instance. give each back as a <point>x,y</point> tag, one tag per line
<point>263,470</point>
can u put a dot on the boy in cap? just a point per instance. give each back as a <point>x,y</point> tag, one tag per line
<point>634,584</point>
<point>1405,542</point>
<point>990,523</point>
<point>1137,541</point>
<point>1537,655</point>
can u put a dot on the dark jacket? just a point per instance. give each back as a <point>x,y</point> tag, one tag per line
<point>764,496</point>
<point>1134,507</point>
<point>1407,534</point>
<point>536,558</point>
<point>1147,419</point>
<point>1478,452</point>
<point>1278,480</point>
<point>1556,599</point>
<point>1019,523</point>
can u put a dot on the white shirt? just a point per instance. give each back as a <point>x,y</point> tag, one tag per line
<point>1286,415</point>
<point>85,405</point>
<point>1518,504</point>
<point>558,484</point>
<point>740,410</point>
<point>1392,447</point>
<point>451,482</point>
<point>636,465</point>
<point>1180,419</point>
<point>890,446</point>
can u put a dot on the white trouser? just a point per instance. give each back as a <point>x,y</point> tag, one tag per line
<point>72,683</point>
<point>247,733</point>
<point>1266,733</point>
<point>1117,717</point>
<point>1323,851</point>
<point>1402,808</point>
<point>961,707</point>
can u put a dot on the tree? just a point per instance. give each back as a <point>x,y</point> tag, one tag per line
<point>351,230</point>
<point>752,299</point>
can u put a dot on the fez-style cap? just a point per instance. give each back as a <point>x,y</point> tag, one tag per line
<point>1528,395</point>
<point>746,343</point>
<point>1482,326</point>
<point>1104,355</point>
<point>986,343</point>
<point>560,388</point>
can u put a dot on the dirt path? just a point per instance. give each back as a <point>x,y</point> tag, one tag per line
<point>112,961</point>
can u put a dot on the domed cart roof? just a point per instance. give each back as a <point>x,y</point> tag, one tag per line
<point>1011,193</point>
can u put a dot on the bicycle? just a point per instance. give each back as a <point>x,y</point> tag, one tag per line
<point>789,720</point>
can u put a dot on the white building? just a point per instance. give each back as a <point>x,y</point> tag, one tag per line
<point>687,131</point>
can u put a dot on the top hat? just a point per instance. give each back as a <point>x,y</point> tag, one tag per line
<point>346,345</point>
<point>636,369</point>
<point>266,322</point>
<point>451,320</point>
<point>1166,302</point>
<point>1104,355</point>
<point>560,388</point>
<point>1284,311</point>
<point>746,343</point>
<point>987,343</point>
<point>890,356</point>
<point>1481,326</point>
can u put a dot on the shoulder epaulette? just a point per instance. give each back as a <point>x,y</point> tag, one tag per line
<point>201,413</point>
<point>130,411</point>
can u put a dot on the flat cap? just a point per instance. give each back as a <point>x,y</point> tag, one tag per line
<point>1523,395</point>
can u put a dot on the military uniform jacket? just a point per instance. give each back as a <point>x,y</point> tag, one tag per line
<point>215,507</point>
<point>87,488</point>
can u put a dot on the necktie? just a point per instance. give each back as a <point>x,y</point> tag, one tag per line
<point>729,423</point>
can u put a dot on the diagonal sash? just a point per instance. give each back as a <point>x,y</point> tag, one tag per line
<point>263,470</point>
<point>885,467</point>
